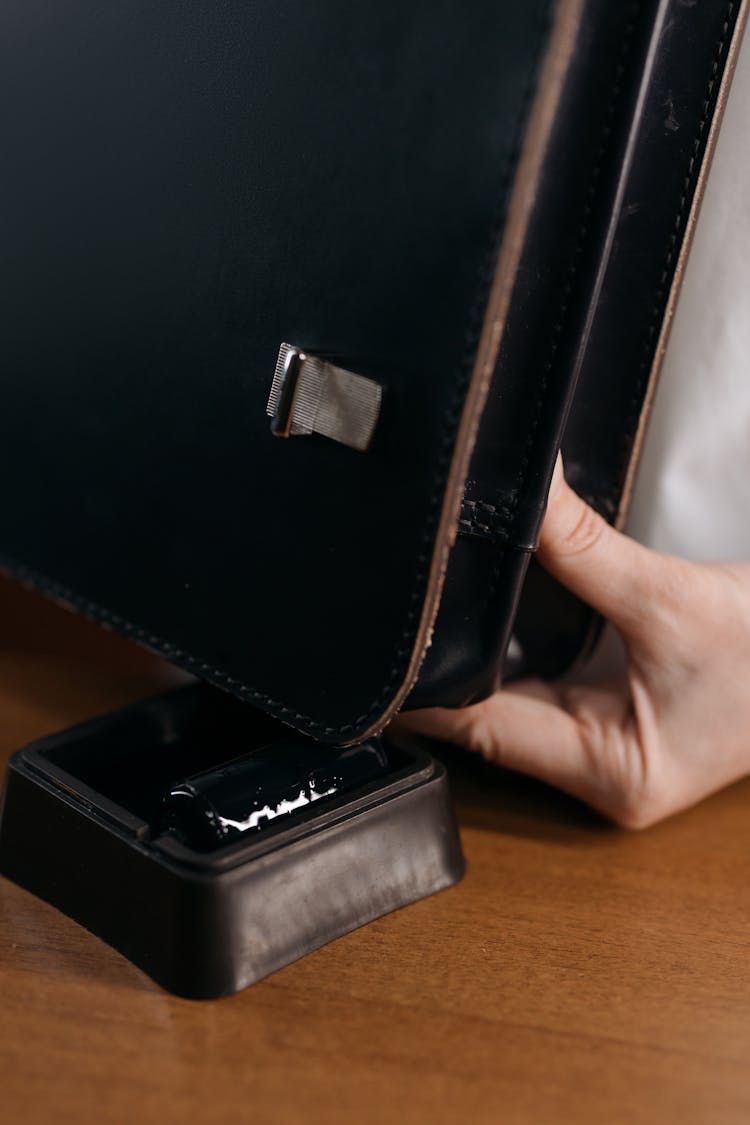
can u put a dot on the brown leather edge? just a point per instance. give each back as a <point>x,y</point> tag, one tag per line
<point>566,22</point>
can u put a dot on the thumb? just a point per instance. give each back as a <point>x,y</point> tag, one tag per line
<point>611,572</point>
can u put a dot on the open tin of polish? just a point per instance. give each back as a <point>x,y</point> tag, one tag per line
<point>211,846</point>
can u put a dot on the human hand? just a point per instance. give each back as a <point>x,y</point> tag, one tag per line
<point>675,727</point>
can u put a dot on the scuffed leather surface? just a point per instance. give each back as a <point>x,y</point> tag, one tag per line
<point>618,352</point>
<point>186,184</point>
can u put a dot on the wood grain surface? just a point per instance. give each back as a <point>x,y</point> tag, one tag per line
<point>578,974</point>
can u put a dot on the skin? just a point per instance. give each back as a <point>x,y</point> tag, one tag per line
<point>675,728</point>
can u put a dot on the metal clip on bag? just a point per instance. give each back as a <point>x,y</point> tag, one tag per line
<point>299,302</point>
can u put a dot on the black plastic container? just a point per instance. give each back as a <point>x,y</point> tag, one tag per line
<point>89,823</point>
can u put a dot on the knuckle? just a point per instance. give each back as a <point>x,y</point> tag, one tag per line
<point>476,732</point>
<point>640,802</point>
<point>629,782</point>
<point>636,813</point>
<point>584,532</point>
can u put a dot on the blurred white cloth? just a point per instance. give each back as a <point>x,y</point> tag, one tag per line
<point>692,492</point>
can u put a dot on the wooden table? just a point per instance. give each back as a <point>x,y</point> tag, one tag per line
<point>577,974</point>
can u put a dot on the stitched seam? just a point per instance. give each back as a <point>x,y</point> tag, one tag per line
<point>450,423</point>
<point>564,306</point>
<point>483,520</point>
<point>612,496</point>
<point>477,530</point>
<point>93,610</point>
<point>504,510</point>
<point>476,509</point>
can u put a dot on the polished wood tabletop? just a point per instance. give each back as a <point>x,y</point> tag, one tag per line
<point>577,974</point>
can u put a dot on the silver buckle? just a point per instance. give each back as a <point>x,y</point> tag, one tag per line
<point>312,395</point>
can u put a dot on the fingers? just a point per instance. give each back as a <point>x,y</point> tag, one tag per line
<point>611,572</point>
<point>537,729</point>
<point>513,730</point>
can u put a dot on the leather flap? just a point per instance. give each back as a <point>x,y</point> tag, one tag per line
<point>186,185</point>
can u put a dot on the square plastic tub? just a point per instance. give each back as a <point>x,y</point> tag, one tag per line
<point>83,826</point>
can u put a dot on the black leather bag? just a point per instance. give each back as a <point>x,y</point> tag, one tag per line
<point>469,221</point>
